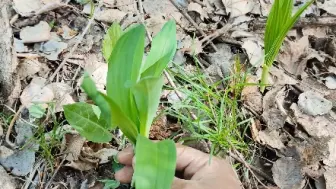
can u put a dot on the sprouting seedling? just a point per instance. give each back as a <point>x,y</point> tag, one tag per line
<point>280,21</point>
<point>133,95</point>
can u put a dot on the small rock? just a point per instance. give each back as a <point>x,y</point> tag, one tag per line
<point>330,176</point>
<point>52,48</point>
<point>37,33</point>
<point>21,162</point>
<point>314,104</point>
<point>330,82</point>
<point>19,46</point>
<point>24,132</point>
<point>287,174</point>
<point>6,181</point>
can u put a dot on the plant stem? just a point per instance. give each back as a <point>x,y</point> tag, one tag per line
<point>264,77</point>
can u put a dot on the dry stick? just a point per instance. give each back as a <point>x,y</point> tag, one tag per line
<point>56,171</point>
<point>325,21</point>
<point>185,14</point>
<point>52,77</point>
<point>11,125</point>
<point>255,169</point>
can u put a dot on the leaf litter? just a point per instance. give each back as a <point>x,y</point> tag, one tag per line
<point>293,117</point>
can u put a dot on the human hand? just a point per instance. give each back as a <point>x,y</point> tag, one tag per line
<point>194,165</point>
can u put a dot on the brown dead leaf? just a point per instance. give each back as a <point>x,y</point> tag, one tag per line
<point>292,52</point>
<point>271,138</point>
<point>280,77</point>
<point>254,51</point>
<point>241,7</point>
<point>28,68</point>
<point>317,126</point>
<point>97,69</point>
<point>104,155</point>
<point>106,15</point>
<point>330,160</point>
<point>74,144</point>
<point>251,95</point>
<point>81,165</point>
<point>330,176</point>
<point>37,92</point>
<point>195,7</point>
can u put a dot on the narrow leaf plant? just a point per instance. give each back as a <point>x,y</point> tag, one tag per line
<point>132,97</point>
<point>280,20</point>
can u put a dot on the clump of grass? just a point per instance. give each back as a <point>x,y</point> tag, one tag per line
<point>219,119</point>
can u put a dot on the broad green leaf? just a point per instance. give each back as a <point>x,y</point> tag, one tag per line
<point>162,51</point>
<point>120,119</point>
<point>110,40</point>
<point>90,89</point>
<point>155,164</point>
<point>124,70</point>
<point>36,111</point>
<point>110,184</point>
<point>82,117</point>
<point>147,97</point>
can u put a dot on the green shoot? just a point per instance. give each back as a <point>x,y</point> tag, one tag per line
<point>133,96</point>
<point>280,21</point>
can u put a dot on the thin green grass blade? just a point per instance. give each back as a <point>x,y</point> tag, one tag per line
<point>155,164</point>
<point>124,70</point>
<point>82,117</point>
<point>90,89</point>
<point>110,40</point>
<point>162,51</point>
<point>147,97</point>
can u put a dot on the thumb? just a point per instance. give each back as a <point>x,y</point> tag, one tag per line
<point>183,184</point>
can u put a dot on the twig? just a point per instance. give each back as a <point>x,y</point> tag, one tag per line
<point>56,171</point>
<point>11,125</point>
<point>170,80</point>
<point>326,21</point>
<point>185,14</point>
<point>52,77</point>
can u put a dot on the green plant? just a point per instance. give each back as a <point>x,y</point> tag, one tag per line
<point>280,21</point>
<point>219,119</point>
<point>133,95</point>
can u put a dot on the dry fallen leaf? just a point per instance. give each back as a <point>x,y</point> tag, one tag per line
<point>254,51</point>
<point>292,52</point>
<point>317,126</point>
<point>97,71</point>
<point>251,95</point>
<point>28,68</point>
<point>37,92</point>
<point>271,138</point>
<point>287,174</point>
<point>81,165</point>
<point>314,104</point>
<point>330,176</point>
<point>26,7</point>
<point>6,182</point>
<point>37,33</point>
<point>330,160</point>
<point>328,5</point>
<point>74,144</point>
<point>195,7</point>
<point>106,15</point>
<point>241,7</point>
